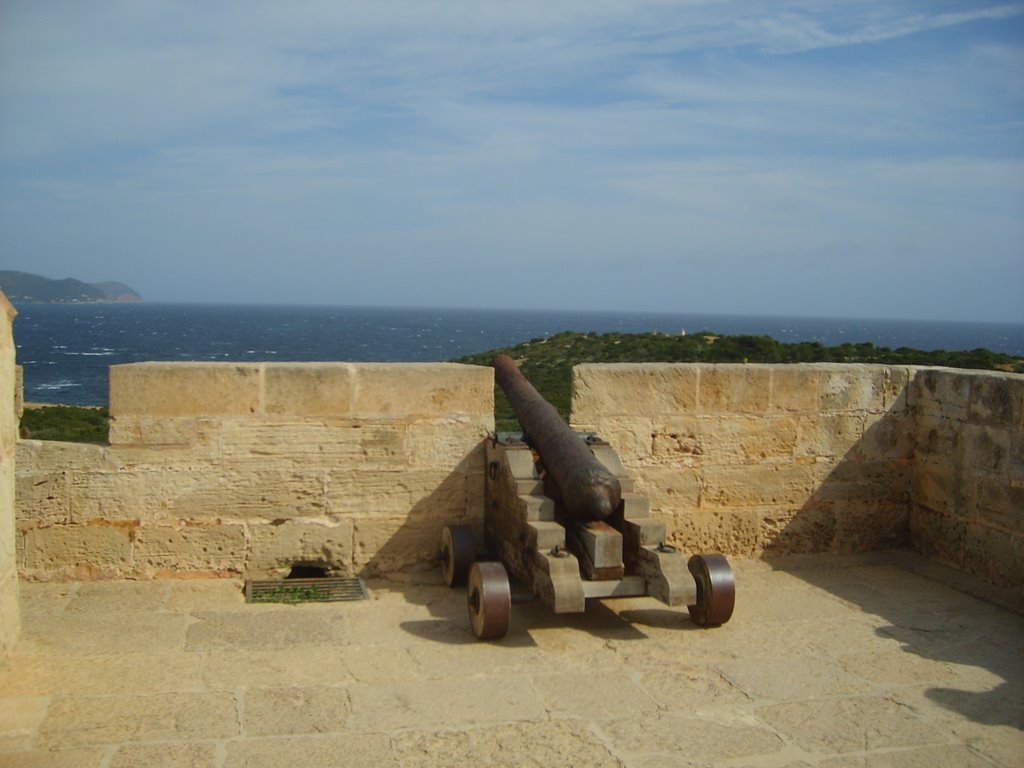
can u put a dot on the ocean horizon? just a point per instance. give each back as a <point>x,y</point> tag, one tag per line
<point>66,349</point>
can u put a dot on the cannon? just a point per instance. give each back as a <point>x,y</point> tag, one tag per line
<point>564,519</point>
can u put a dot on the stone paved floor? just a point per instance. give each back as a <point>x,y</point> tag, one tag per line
<point>829,661</point>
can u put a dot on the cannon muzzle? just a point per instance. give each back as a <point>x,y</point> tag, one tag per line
<point>587,490</point>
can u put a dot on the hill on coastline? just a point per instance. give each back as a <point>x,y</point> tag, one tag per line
<point>26,288</point>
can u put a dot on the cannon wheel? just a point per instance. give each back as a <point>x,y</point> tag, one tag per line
<point>716,590</point>
<point>457,554</point>
<point>490,600</point>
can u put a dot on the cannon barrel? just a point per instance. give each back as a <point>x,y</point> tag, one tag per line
<point>588,491</point>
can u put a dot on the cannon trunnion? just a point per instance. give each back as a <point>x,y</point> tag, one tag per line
<point>564,519</point>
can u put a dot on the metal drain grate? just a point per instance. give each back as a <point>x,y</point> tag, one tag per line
<point>327,589</point>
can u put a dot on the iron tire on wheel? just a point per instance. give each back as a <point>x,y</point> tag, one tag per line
<point>716,590</point>
<point>457,553</point>
<point>489,599</point>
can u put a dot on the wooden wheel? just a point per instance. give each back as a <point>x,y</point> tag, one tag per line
<point>457,553</point>
<point>490,600</point>
<point>716,590</point>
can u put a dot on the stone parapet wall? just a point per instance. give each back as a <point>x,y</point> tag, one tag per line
<point>251,468</point>
<point>754,459</point>
<point>232,468</point>
<point>10,617</point>
<point>967,499</point>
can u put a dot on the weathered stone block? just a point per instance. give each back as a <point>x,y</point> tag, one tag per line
<point>57,456</point>
<point>854,388</point>
<point>863,526</point>
<point>997,399</point>
<point>402,543</point>
<point>445,443</point>
<point>669,489</point>
<point>757,485</point>
<point>681,441</point>
<point>730,532</point>
<point>414,390</point>
<point>98,547</point>
<point>942,489</point>
<point>793,530</point>
<point>735,388</point>
<point>796,388</point>
<point>654,388</point>
<point>309,389</point>
<point>263,489</point>
<point>995,555</point>
<point>887,436</point>
<point>116,495</point>
<point>190,546</point>
<point>1001,503</point>
<point>942,393</point>
<point>937,535</point>
<point>284,543</point>
<point>750,439</point>
<point>43,497</point>
<point>383,493</point>
<point>828,436</point>
<point>866,481</point>
<point>158,431</point>
<point>185,389</point>
<point>937,440</point>
<point>986,448</point>
<point>312,444</point>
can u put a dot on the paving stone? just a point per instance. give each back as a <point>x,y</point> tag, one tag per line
<point>265,628</point>
<point>118,597</point>
<point>519,745</point>
<point>96,634</point>
<point>143,673</point>
<point>945,756</point>
<point>671,737</point>
<point>167,755</point>
<point>294,710</point>
<point>187,595</point>
<point>849,725</point>
<point>227,670</point>
<point>593,695</point>
<point>351,750</point>
<point>379,663</point>
<point>475,659</point>
<point>87,720</point>
<point>683,687</point>
<point>772,679</point>
<point>187,674</point>
<point>72,758</point>
<point>441,703</point>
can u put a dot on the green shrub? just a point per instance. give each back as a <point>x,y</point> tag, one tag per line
<point>72,423</point>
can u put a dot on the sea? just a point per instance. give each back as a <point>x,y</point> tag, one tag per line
<point>66,350</point>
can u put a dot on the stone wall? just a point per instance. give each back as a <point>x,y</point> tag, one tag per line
<point>754,459</point>
<point>761,459</point>
<point>967,499</point>
<point>224,468</point>
<point>217,469</point>
<point>10,618</point>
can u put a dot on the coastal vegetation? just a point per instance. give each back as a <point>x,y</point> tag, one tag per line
<point>71,423</point>
<point>548,362</point>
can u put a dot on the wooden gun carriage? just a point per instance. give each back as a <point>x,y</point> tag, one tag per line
<point>563,518</point>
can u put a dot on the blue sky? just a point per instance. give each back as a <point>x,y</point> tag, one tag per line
<point>859,159</point>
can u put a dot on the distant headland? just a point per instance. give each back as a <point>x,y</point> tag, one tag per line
<point>26,288</point>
